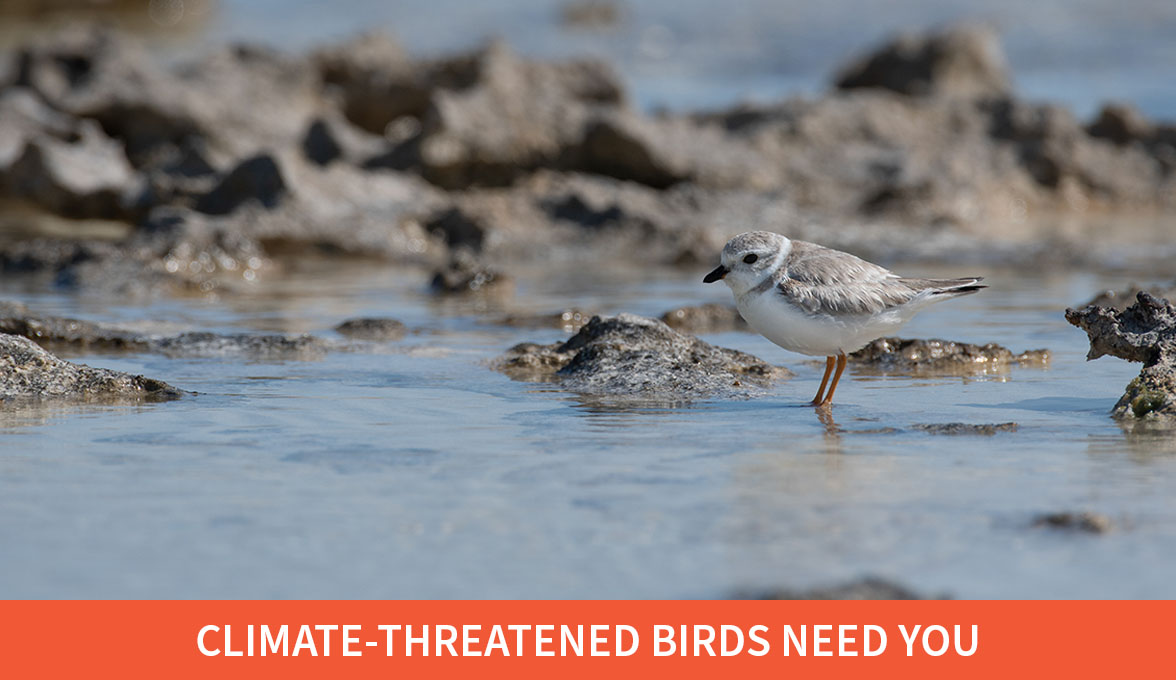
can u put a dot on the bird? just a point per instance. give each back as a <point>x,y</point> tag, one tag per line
<point>822,302</point>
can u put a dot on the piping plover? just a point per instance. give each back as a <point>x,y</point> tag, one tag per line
<point>822,302</point>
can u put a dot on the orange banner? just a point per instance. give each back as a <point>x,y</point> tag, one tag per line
<point>313,639</point>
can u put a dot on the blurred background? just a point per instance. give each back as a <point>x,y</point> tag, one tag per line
<point>692,54</point>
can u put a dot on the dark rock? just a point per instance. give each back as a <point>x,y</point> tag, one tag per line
<point>255,179</point>
<point>29,373</point>
<point>635,357</point>
<point>1121,124</point>
<point>987,429</point>
<point>330,138</point>
<point>708,318</point>
<point>1144,332</point>
<point>964,61</point>
<point>1083,522</point>
<point>319,144</point>
<point>373,329</point>
<point>465,275</point>
<point>865,589</point>
<point>942,356</point>
<point>457,229</point>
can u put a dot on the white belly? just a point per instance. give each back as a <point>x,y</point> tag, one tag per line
<point>819,335</point>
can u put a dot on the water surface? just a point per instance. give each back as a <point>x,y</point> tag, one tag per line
<point>412,470</point>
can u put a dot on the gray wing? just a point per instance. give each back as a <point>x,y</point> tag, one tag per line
<point>821,280</point>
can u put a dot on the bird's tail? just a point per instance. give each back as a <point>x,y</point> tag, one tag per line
<point>942,289</point>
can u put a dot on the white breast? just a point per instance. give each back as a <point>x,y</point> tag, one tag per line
<point>773,317</point>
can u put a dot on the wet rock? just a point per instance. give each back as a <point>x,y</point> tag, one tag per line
<point>708,318</point>
<point>869,588</point>
<point>987,429</point>
<point>255,179</point>
<point>16,319</point>
<point>965,61</point>
<point>76,335</point>
<point>942,356</point>
<point>632,356</point>
<point>1144,332</point>
<point>261,347</point>
<point>30,373</point>
<point>1082,522</point>
<point>465,275</point>
<point>371,328</point>
<point>569,320</point>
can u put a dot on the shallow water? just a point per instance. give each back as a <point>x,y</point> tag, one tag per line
<point>412,470</point>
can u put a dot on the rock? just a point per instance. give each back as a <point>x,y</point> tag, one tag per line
<point>1083,522</point>
<point>16,319</point>
<point>942,356</point>
<point>233,104</point>
<point>260,347</point>
<point>1121,299</point>
<point>330,138</point>
<point>84,176</point>
<point>457,229</point>
<point>986,430</point>
<point>1144,332</point>
<point>869,588</point>
<point>377,81</point>
<point>963,61</point>
<point>29,373</point>
<point>373,329</point>
<point>1120,123</point>
<point>319,144</point>
<point>512,118</point>
<point>663,151</point>
<point>26,116</point>
<point>255,179</point>
<point>708,318</point>
<point>78,335</point>
<point>465,275</point>
<point>632,356</point>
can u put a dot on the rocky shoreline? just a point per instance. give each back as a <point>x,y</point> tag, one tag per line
<point>122,176</point>
<point>214,171</point>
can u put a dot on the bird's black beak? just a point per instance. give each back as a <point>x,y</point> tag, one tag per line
<point>719,272</point>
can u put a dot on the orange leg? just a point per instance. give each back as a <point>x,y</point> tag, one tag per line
<point>824,381</point>
<point>841,361</point>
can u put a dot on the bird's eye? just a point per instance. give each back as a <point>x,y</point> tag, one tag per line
<point>751,258</point>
